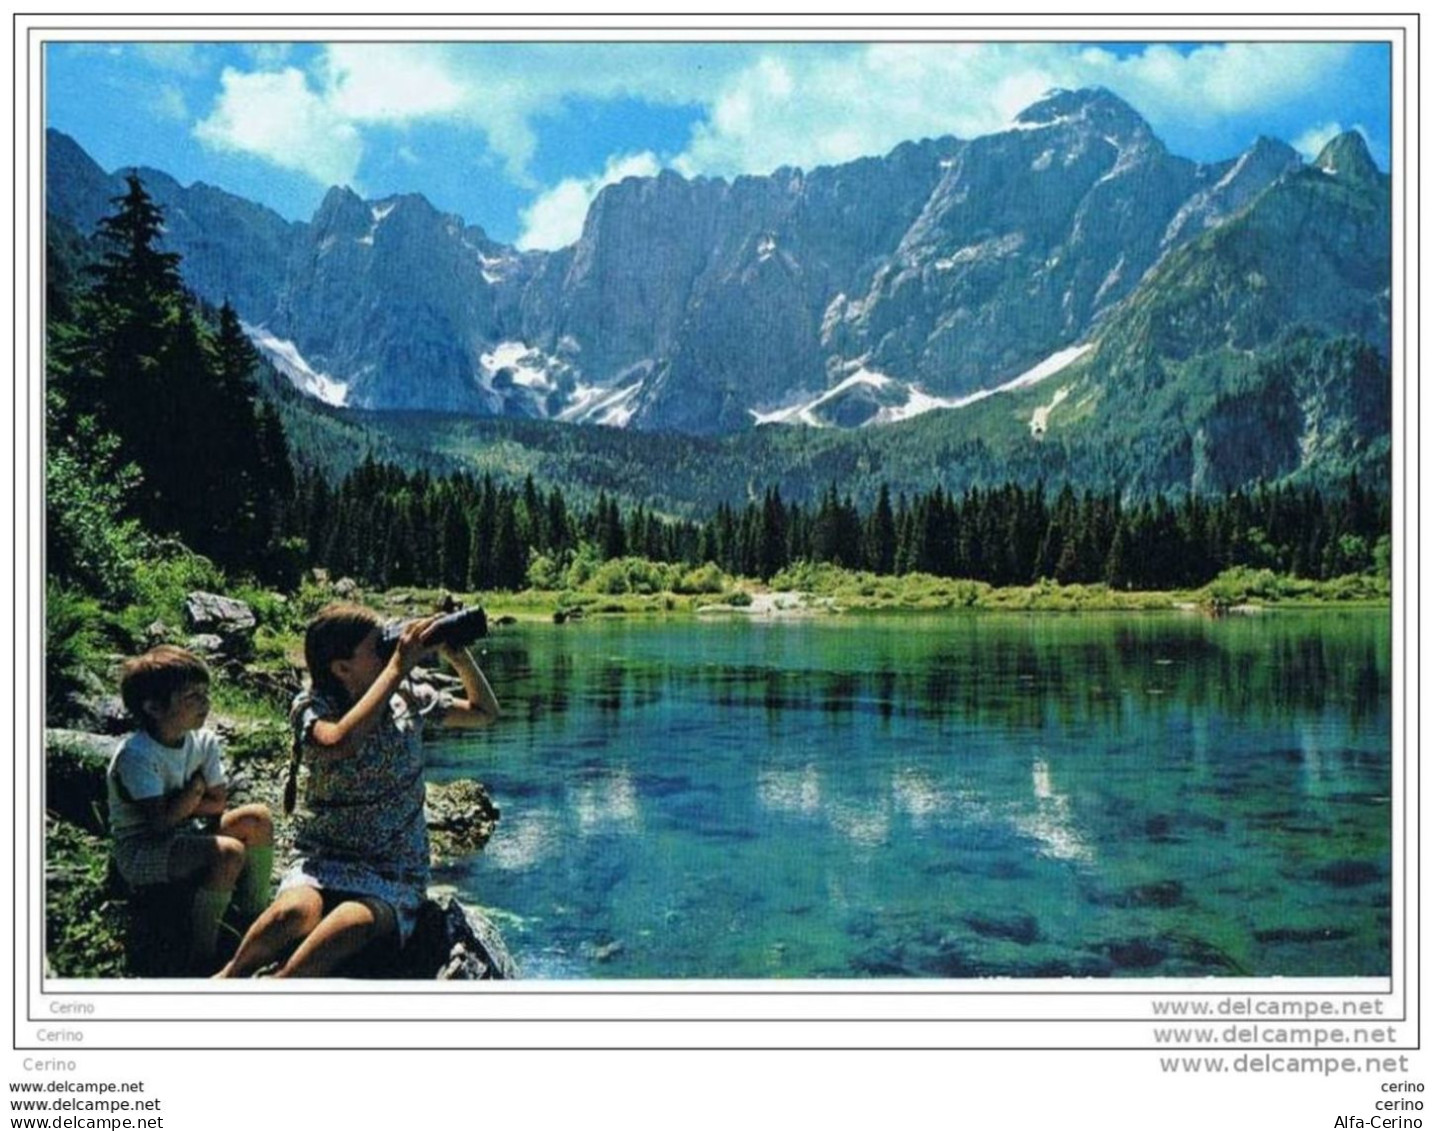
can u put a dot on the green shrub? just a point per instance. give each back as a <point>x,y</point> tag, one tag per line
<point>707,578</point>
<point>73,641</point>
<point>89,546</point>
<point>544,572</point>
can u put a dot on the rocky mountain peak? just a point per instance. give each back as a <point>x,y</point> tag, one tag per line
<point>1347,155</point>
<point>1096,107</point>
<point>341,208</point>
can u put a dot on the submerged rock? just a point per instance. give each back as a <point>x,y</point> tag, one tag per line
<point>1022,929</point>
<point>1161,894</point>
<point>1303,935</point>
<point>1348,873</point>
<point>1134,954</point>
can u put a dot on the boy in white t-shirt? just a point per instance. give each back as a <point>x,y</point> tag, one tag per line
<point>166,790</point>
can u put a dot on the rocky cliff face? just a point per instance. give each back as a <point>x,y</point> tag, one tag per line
<point>876,288</point>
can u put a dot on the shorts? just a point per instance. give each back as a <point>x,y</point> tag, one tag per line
<point>143,858</point>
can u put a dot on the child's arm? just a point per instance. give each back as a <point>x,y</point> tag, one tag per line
<point>342,738</point>
<point>216,786</point>
<point>163,813</point>
<point>213,802</point>
<point>480,709</point>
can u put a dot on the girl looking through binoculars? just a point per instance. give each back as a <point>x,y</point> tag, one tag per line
<point>362,840</point>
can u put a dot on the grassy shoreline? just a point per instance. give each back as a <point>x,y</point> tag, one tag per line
<point>832,590</point>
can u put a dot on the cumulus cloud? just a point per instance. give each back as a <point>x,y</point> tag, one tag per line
<point>1312,141</point>
<point>389,82</point>
<point>274,115</point>
<point>761,105</point>
<point>555,218</point>
<point>501,90</point>
<point>806,108</point>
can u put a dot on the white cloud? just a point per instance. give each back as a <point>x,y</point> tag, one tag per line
<point>807,108</point>
<point>501,90</point>
<point>189,59</point>
<point>274,115</point>
<point>389,82</point>
<point>169,103</point>
<point>555,218</point>
<point>1312,141</point>
<point>761,105</point>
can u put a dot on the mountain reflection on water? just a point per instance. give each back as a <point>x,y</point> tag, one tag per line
<point>963,796</point>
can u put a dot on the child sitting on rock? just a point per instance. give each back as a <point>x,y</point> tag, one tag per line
<point>168,797</point>
<point>362,836</point>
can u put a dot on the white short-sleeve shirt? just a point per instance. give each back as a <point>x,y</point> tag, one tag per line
<point>147,769</point>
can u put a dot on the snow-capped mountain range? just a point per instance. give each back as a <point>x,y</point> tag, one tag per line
<point>944,273</point>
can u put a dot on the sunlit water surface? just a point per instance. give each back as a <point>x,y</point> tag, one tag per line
<point>970,795</point>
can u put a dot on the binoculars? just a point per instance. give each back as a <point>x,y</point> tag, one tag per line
<point>457,630</point>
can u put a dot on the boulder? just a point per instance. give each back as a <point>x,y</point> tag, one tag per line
<point>101,713</point>
<point>75,765</point>
<point>461,817</point>
<point>454,942</point>
<point>225,617</point>
<point>207,645</point>
<point>157,633</point>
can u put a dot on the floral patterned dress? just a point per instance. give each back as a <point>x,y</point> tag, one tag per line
<point>361,829</point>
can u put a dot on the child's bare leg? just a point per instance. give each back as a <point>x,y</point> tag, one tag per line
<point>253,825</point>
<point>292,916</point>
<point>219,860</point>
<point>345,930</point>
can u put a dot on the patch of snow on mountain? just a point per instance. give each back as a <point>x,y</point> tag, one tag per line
<point>806,413</point>
<point>490,264</point>
<point>917,400</point>
<point>1040,418</point>
<point>592,404</point>
<point>1043,162</point>
<point>524,364</point>
<point>765,248</point>
<point>379,212</point>
<point>1047,368</point>
<point>285,357</point>
<point>1045,125</point>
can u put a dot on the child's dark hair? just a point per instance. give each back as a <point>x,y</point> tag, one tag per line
<point>157,676</point>
<point>334,634</point>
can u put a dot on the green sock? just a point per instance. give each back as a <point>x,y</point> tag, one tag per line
<point>256,881</point>
<point>204,918</point>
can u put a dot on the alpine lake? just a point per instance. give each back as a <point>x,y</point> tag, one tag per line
<point>966,795</point>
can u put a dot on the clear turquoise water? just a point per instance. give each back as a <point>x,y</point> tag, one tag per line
<point>969,795</point>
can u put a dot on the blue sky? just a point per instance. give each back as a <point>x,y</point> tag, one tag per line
<point>519,137</point>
